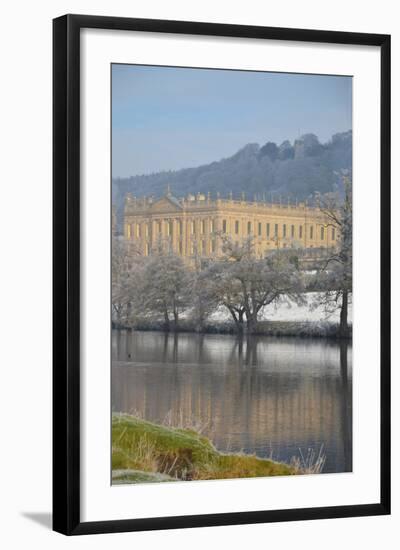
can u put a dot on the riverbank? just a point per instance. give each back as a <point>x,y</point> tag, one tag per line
<point>146,452</point>
<point>295,329</point>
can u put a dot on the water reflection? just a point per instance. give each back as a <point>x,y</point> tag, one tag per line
<point>261,395</point>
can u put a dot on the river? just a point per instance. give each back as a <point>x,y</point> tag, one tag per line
<point>275,397</point>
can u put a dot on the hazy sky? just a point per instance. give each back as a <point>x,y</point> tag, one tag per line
<point>166,118</point>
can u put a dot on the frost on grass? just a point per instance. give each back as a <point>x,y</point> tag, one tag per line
<point>289,311</point>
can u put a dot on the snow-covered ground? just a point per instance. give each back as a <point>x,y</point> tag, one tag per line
<point>290,311</point>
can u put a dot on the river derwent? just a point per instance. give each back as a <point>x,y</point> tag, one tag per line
<point>272,397</point>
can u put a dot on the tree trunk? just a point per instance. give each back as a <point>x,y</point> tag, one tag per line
<point>240,322</point>
<point>176,319</point>
<point>251,322</point>
<point>237,318</point>
<point>200,319</point>
<point>166,319</point>
<point>344,314</point>
<point>128,313</point>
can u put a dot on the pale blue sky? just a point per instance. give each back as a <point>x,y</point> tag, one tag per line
<point>166,118</point>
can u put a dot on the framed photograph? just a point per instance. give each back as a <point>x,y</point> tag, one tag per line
<point>221,274</point>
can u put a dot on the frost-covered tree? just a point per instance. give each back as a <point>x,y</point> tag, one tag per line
<point>126,269</point>
<point>245,285</point>
<point>201,296</point>
<point>336,275</point>
<point>226,292</point>
<point>164,287</point>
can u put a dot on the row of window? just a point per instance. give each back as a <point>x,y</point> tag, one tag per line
<point>287,230</point>
<point>142,230</point>
<point>203,227</point>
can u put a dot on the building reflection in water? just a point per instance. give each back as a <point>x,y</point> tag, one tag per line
<point>262,395</point>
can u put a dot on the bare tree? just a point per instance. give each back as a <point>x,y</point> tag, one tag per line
<point>201,296</point>
<point>336,273</point>
<point>245,285</point>
<point>225,291</point>
<point>163,287</point>
<point>126,266</point>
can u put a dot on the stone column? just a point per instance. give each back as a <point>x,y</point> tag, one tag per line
<point>151,234</point>
<point>187,236</point>
<point>174,236</point>
<point>144,236</point>
<point>207,237</point>
<point>183,221</point>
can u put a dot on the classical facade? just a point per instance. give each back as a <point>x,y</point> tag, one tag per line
<point>193,225</point>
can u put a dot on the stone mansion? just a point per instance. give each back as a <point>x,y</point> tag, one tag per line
<point>193,224</point>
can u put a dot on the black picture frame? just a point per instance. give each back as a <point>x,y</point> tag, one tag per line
<point>66,273</point>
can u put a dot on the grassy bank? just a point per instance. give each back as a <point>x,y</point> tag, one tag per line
<point>147,452</point>
<point>298,329</point>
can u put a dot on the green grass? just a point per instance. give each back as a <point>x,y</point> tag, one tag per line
<point>147,452</point>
